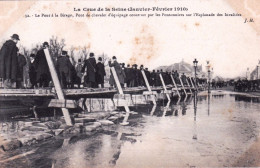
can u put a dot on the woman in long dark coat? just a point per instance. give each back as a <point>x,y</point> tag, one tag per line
<point>100,72</point>
<point>120,73</point>
<point>8,61</point>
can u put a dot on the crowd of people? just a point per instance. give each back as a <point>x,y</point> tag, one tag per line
<point>246,85</point>
<point>89,72</point>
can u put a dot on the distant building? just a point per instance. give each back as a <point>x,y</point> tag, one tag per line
<point>186,68</point>
<point>254,73</point>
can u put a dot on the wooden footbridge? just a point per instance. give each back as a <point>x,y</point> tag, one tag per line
<point>68,98</point>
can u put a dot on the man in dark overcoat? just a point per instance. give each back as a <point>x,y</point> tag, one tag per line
<point>101,73</point>
<point>140,76</point>
<point>176,77</point>
<point>128,75</point>
<point>21,63</point>
<point>43,76</point>
<point>152,78</point>
<point>183,79</point>
<point>8,61</point>
<point>136,76</point>
<point>167,78</point>
<point>157,79</point>
<point>63,67</point>
<point>132,76</point>
<point>91,70</point>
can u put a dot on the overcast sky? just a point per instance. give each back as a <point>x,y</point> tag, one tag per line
<point>229,44</point>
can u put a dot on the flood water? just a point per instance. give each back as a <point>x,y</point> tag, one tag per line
<point>208,131</point>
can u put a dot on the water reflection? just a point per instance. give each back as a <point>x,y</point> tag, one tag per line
<point>245,98</point>
<point>192,130</point>
<point>195,98</point>
<point>209,103</point>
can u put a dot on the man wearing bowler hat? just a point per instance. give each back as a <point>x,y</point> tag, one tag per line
<point>8,62</point>
<point>43,76</point>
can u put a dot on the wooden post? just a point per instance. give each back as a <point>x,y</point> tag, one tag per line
<point>175,85</point>
<point>118,85</point>
<point>188,85</point>
<point>165,89</point>
<point>148,85</point>
<point>183,86</point>
<point>57,86</point>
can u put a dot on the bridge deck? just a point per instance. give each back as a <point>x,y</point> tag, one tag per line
<point>6,94</point>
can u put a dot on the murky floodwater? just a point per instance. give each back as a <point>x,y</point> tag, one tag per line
<point>207,131</point>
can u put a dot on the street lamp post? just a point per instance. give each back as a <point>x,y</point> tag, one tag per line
<point>195,63</point>
<point>208,67</point>
<point>209,81</point>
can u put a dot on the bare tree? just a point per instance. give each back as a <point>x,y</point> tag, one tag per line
<point>56,46</point>
<point>72,54</point>
<point>85,52</point>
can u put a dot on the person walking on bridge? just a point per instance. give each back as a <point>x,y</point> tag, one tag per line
<point>101,73</point>
<point>120,73</point>
<point>91,70</point>
<point>43,76</point>
<point>64,69</point>
<point>21,63</point>
<point>32,71</point>
<point>8,62</point>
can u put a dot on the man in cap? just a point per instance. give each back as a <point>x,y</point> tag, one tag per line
<point>91,70</point>
<point>64,69</point>
<point>101,73</point>
<point>43,76</point>
<point>8,61</point>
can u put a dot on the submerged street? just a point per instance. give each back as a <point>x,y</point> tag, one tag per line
<point>216,130</point>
